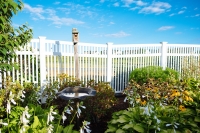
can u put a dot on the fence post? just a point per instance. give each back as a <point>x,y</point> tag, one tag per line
<point>60,57</point>
<point>109,61</point>
<point>164,49</point>
<point>42,62</point>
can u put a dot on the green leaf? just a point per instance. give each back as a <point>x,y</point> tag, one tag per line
<point>114,121</point>
<point>110,129</point>
<point>36,122</point>
<point>197,119</point>
<point>59,128</point>
<point>166,119</point>
<point>193,124</point>
<point>138,128</point>
<point>120,131</point>
<point>127,126</point>
<point>122,119</point>
<point>4,10</point>
<point>16,66</point>
<point>14,114</point>
<point>129,113</point>
<point>187,112</point>
<point>198,111</point>
<point>68,129</point>
<point>163,131</point>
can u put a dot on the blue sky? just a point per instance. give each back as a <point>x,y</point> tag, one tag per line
<point>117,21</point>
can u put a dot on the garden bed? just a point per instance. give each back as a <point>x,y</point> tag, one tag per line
<point>101,126</point>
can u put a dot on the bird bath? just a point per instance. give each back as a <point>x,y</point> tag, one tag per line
<point>76,93</point>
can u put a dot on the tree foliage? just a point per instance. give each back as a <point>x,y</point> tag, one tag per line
<point>11,38</point>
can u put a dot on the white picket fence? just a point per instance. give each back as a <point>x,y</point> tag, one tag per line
<point>42,60</point>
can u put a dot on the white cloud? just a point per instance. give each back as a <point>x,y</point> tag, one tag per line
<point>111,23</point>
<point>172,14</point>
<point>64,21</point>
<point>181,12</point>
<point>80,10</point>
<point>184,7</point>
<point>134,8</point>
<point>116,4</point>
<point>156,7</point>
<point>35,11</point>
<point>56,3</point>
<point>50,14</point>
<point>118,34</point>
<point>63,9</point>
<point>165,28</point>
<point>140,3</point>
<point>127,2</point>
<point>197,15</point>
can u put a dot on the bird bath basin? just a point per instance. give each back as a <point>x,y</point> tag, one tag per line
<point>76,93</point>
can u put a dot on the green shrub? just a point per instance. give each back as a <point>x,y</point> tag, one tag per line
<point>141,75</point>
<point>158,107</point>
<point>99,105</point>
<point>68,81</point>
<point>31,93</point>
<point>152,119</point>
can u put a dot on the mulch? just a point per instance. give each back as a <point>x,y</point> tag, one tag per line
<point>101,126</point>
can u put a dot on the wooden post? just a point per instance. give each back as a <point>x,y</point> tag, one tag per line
<point>75,41</point>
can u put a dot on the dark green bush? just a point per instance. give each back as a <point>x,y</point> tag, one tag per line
<point>141,75</point>
<point>99,105</point>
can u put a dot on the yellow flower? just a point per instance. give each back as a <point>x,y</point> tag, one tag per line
<point>156,96</point>
<point>190,99</point>
<point>155,89</point>
<point>186,93</point>
<point>175,93</point>
<point>187,98</point>
<point>138,100</point>
<point>182,108</point>
<point>143,102</point>
<point>148,89</point>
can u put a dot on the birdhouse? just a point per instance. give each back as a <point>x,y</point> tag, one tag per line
<point>75,35</point>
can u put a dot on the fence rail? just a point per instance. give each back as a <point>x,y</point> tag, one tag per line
<point>42,60</point>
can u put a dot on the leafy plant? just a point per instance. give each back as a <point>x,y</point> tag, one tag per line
<point>151,119</point>
<point>141,75</point>
<point>136,120</point>
<point>68,81</point>
<point>31,96</point>
<point>99,105</point>
<point>37,119</point>
<point>158,106</point>
<point>11,38</point>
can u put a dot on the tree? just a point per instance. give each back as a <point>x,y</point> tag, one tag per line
<point>11,38</point>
